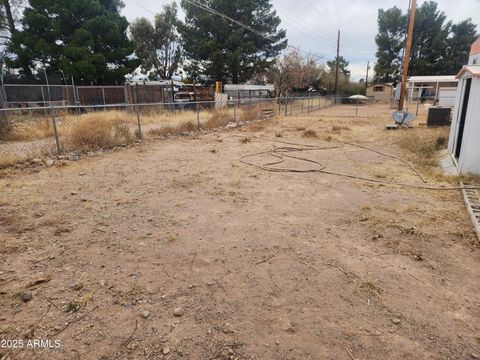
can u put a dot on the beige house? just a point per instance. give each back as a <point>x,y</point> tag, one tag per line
<point>380,92</point>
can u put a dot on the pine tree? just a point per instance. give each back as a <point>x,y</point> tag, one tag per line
<point>390,41</point>
<point>224,50</point>
<point>438,47</point>
<point>86,39</point>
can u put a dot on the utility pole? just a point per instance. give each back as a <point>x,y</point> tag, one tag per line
<point>366,77</point>
<point>338,63</point>
<point>408,52</point>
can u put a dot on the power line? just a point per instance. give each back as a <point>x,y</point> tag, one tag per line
<point>289,14</point>
<point>249,28</point>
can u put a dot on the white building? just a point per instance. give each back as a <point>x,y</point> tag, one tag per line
<point>464,143</point>
<point>475,53</point>
<point>430,87</point>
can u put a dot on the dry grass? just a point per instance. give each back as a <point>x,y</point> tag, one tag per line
<point>310,134</point>
<point>10,159</point>
<point>218,118</point>
<point>422,146</point>
<point>172,130</point>
<point>338,129</point>
<point>249,112</point>
<point>371,288</point>
<point>31,130</point>
<point>91,132</point>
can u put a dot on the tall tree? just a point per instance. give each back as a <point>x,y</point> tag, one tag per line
<point>463,35</point>
<point>431,31</point>
<point>224,50</point>
<point>438,47</point>
<point>158,46</point>
<point>343,66</point>
<point>86,39</point>
<point>9,21</point>
<point>390,42</point>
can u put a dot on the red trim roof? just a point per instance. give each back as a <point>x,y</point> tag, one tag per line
<point>471,69</point>
<point>475,47</point>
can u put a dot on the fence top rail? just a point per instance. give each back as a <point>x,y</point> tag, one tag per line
<point>66,85</point>
<point>173,104</point>
<point>36,85</point>
<point>100,86</point>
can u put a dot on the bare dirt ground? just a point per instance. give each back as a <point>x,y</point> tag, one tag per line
<point>177,250</point>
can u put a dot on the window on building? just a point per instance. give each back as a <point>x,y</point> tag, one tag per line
<point>379,88</point>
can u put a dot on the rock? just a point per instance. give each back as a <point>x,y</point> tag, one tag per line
<point>165,350</point>
<point>26,296</point>
<point>145,314</point>
<point>82,173</point>
<point>36,161</point>
<point>474,356</point>
<point>396,321</point>
<point>74,193</point>
<point>178,311</point>
<point>49,162</point>
<point>76,286</point>
<point>39,280</point>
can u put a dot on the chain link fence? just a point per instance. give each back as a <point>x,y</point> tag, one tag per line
<point>42,134</point>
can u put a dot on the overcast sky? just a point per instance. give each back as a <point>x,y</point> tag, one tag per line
<point>312,24</point>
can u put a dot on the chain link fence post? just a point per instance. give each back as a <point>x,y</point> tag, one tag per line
<point>55,132</point>
<point>235,110</point>
<point>198,115</point>
<point>104,100</point>
<point>137,111</point>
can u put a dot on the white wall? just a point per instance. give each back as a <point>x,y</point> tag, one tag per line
<point>456,116</point>
<point>469,160</point>
<point>447,96</point>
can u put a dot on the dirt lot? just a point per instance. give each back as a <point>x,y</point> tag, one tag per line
<point>177,250</point>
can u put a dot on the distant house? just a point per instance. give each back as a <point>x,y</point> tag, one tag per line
<point>429,87</point>
<point>381,92</point>
<point>464,143</point>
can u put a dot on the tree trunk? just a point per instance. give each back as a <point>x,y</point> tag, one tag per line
<point>8,14</point>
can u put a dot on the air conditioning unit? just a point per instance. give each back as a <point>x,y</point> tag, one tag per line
<point>439,116</point>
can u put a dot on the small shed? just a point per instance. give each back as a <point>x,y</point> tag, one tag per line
<point>464,143</point>
<point>380,92</point>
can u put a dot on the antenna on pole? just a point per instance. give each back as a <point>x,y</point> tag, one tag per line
<point>408,52</point>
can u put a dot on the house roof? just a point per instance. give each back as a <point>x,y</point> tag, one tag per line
<point>432,79</point>
<point>381,84</point>
<point>469,69</point>
<point>231,87</point>
<point>475,47</point>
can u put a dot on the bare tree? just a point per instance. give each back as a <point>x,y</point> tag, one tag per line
<point>293,72</point>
